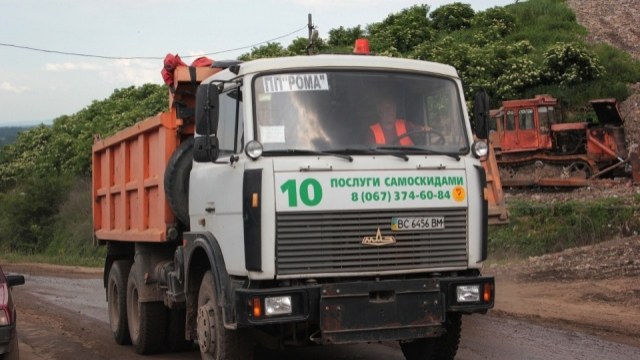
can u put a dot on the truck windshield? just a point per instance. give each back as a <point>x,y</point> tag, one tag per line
<point>353,110</point>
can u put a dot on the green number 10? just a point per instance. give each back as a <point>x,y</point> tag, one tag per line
<point>309,198</point>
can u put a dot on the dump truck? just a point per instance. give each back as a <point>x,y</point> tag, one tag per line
<point>535,147</point>
<point>255,211</point>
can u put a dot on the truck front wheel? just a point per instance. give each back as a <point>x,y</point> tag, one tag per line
<point>217,342</point>
<point>443,347</point>
<point>147,320</point>
<point>117,301</point>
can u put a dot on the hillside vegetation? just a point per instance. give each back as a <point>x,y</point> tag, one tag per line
<point>8,134</point>
<point>514,51</point>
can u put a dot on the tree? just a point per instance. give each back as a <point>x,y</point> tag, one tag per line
<point>269,50</point>
<point>400,33</point>
<point>452,17</point>
<point>345,37</point>
<point>27,213</point>
<point>496,21</point>
<point>299,46</point>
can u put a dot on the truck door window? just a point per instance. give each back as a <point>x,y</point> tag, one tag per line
<point>543,114</point>
<point>526,119</point>
<point>230,122</point>
<point>554,115</point>
<point>510,121</point>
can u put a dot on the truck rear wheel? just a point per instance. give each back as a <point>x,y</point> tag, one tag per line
<point>147,320</point>
<point>117,301</point>
<point>217,342</point>
<point>443,347</point>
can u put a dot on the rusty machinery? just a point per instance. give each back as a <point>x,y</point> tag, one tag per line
<point>533,147</point>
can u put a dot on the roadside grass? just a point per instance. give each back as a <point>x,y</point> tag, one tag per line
<point>537,228</point>
<point>71,260</point>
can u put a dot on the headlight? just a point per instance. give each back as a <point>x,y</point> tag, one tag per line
<point>253,149</point>
<point>5,319</point>
<point>480,149</point>
<point>468,293</point>
<point>278,305</point>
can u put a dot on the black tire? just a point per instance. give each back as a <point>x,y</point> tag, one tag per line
<point>215,341</point>
<point>117,301</point>
<point>147,320</point>
<point>14,350</point>
<point>443,347</point>
<point>176,331</point>
<point>176,180</point>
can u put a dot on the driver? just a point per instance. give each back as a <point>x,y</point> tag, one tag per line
<point>391,127</point>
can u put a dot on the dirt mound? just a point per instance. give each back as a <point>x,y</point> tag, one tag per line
<point>615,23</point>
<point>612,259</point>
<point>612,22</point>
<point>630,111</point>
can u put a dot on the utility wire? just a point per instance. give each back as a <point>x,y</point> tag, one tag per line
<point>146,57</point>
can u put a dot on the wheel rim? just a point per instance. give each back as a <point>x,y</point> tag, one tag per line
<point>206,329</point>
<point>582,169</point>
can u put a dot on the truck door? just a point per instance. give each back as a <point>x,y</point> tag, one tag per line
<point>545,120</point>
<point>510,139</point>
<point>215,193</point>
<point>528,137</point>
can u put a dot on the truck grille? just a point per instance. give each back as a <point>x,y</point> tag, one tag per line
<point>313,243</point>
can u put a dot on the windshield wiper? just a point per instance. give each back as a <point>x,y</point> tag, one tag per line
<point>413,149</point>
<point>308,152</point>
<point>369,151</point>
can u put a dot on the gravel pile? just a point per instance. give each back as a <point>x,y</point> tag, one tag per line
<point>612,22</point>
<point>611,259</point>
<point>616,23</point>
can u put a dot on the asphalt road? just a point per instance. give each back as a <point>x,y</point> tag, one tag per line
<point>65,318</point>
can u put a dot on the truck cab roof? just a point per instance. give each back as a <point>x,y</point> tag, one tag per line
<point>335,61</point>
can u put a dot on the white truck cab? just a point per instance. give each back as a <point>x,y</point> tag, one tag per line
<point>314,221</point>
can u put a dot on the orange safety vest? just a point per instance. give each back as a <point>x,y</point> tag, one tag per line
<point>401,129</point>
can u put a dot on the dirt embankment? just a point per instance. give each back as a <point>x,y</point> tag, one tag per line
<point>595,289</point>
<point>616,23</point>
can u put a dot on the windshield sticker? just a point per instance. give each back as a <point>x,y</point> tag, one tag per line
<point>295,82</point>
<point>264,97</point>
<point>272,134</point>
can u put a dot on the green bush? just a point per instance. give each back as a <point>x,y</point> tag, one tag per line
<point>495,20</point>
<point>27,213</point>
<point>452,17</point>
<point>570,64</point>
<point>72,235</point>
<point>401,32</point>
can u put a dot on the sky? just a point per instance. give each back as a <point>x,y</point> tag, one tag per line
<point>37,87</point>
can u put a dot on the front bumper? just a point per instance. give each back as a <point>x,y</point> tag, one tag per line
<point>363,311</point>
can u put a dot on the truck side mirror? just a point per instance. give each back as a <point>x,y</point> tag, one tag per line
<point>206,148</point>
<point>207,110</point>
<point>481,114</point>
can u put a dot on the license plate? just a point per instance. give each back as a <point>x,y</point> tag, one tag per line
<point>417,223</point>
